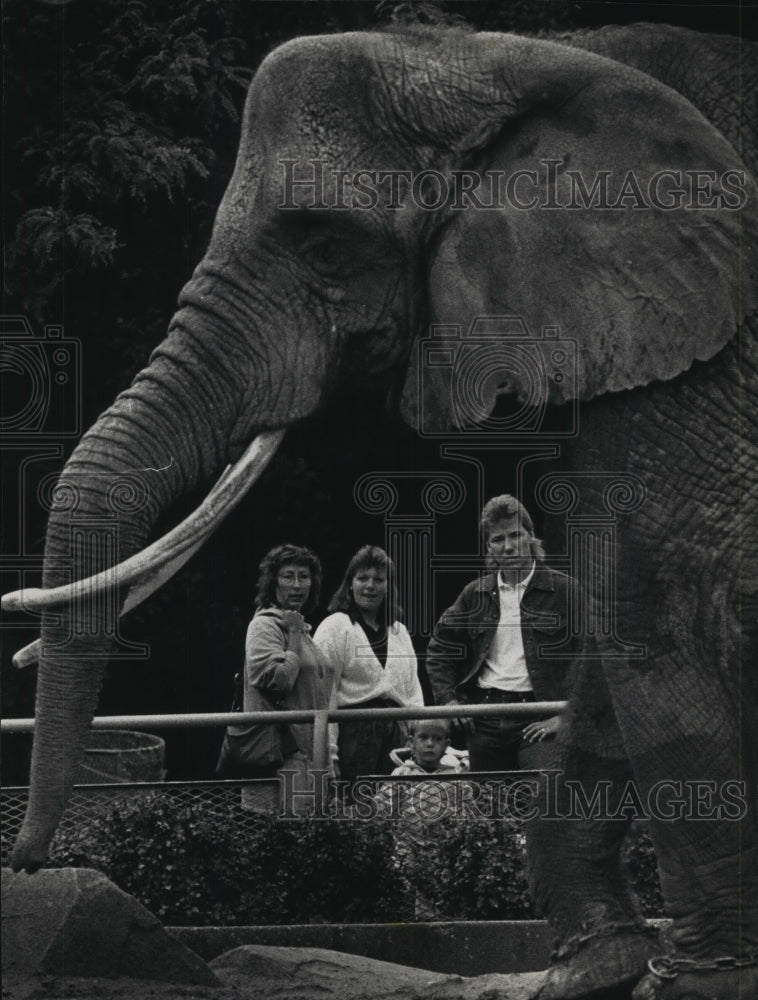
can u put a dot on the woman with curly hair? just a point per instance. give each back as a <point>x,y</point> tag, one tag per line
<point>373,659</point>
<point>284,670</point>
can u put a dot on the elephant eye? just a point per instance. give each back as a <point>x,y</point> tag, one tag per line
<point>340,259</point>
<point>335,253</point>
<point>327,257</point>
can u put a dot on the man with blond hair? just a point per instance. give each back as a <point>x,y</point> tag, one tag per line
<point>506,640</point>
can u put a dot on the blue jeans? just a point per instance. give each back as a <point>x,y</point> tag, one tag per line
<point>499,745</point>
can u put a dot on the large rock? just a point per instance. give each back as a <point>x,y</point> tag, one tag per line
<point>309,973</point>
<point>76,922</point>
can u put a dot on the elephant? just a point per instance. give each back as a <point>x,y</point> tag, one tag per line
<point>397,182</point>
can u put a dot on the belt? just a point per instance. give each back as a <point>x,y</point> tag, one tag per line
<point>497,695</point>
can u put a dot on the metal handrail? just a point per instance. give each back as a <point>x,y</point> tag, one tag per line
<point>192,784</point>
<point>143,786</point>
<point>321,717</point>
<point>200,719</point>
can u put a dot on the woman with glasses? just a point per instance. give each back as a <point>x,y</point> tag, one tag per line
<point>284,670</point>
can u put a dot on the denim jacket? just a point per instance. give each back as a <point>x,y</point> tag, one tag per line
<point>464,634</point>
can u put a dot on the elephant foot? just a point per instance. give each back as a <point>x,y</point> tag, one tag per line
<point>678,978</point>
<point>605,967</point>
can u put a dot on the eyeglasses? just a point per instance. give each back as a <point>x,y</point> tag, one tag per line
<point>289,576</point>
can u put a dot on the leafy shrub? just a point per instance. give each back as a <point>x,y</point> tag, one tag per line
<point>201,864</point>
<point>476,870</point>
<point>181,861</point>
<point>332,871</point>
<point>211,864</point>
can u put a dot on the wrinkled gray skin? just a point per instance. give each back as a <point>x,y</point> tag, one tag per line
<point>667,378</point>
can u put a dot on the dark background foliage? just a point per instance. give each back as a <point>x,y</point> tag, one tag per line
<point>121,126</point>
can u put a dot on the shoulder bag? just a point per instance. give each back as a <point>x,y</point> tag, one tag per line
<point>247,750</point>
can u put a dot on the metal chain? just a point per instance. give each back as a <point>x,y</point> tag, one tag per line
<point>670,966</point>
<point>573,944</point>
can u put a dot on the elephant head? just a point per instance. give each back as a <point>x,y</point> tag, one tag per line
<point>387,183</point>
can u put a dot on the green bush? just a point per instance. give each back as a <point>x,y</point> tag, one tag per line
<point>476,870</point>
<point>201,864</point>
<point>210,864</point>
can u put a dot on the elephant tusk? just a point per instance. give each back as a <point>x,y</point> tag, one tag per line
<point>153,566</point>
<point>27,655</point>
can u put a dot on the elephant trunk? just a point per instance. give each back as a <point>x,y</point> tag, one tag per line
<point>176,426</point>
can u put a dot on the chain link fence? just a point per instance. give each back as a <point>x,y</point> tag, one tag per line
<point>90,803</point>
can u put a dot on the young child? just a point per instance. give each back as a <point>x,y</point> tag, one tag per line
<point>417,805</point>
<point>428,750</point>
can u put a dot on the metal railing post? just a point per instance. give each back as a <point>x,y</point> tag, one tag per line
<point>321,755</point>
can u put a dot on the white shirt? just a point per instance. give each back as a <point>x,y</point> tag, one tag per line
<point>505,665</point>
<point>358,675</point>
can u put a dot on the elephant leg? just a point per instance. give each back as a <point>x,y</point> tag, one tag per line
<point>682,720</point>
<point>574,848</point>
<point>708,858</point>
<point>702,824</point>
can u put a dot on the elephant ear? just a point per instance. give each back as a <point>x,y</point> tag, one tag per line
<point>610,216</point>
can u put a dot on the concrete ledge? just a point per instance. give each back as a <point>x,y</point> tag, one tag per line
<point>468,948</point>
<point>465,947</point>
